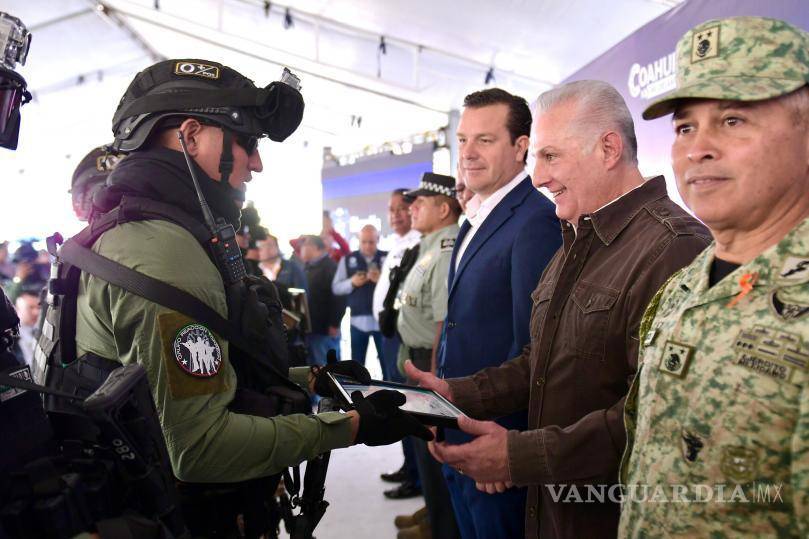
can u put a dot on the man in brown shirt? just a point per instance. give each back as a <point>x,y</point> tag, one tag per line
<point>622,239</point>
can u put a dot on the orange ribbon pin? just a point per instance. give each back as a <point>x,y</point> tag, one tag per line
<point>746,283</point>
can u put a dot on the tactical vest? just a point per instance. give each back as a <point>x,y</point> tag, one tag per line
<point>258,355</point>
<point>361,299</point>
<point>56,348</point>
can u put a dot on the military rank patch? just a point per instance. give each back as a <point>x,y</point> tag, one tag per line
<point>196,69</point>
<point>739,463</point>
<point>785,310</point>
<point>770,352</point>
<point>676,358</point>
<point>192,357</point>
<point>705,44</point>
<point>447,244</point>
<point>794,269</point>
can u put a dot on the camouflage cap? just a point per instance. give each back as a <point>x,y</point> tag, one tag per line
<point>739,58</point>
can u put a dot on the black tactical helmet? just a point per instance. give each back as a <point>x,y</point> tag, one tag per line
<point>88,177</point>
<point>208,91</point>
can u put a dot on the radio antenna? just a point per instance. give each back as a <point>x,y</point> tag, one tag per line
<point>206,210</point>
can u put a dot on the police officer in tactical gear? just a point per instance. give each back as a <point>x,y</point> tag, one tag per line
<point>157,280</point>
<point>112,476</point>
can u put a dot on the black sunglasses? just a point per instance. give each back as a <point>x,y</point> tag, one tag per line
<point>248,142</point>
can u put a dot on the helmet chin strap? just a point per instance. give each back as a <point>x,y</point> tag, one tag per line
<point>226,159</point>
<point>226,167</point>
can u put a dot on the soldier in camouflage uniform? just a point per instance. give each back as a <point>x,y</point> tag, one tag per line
<point>718,415</point>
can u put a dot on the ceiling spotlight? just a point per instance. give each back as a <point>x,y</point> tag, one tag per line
<point>266,9</point>
<point>383,48</point>
<point>489,76</point>
<point>288,22</point>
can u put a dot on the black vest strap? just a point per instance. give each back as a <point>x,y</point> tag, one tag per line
<point>134,208</point>
<point>160,293</point>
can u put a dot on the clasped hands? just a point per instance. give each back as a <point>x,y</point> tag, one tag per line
<point>484,459</point>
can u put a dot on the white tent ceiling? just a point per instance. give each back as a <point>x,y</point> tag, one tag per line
<point>84,53</point>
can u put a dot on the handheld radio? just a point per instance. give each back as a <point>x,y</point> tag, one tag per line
<point>223,244</point>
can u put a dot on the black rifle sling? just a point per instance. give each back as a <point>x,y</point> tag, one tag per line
<point>161,293</point>
<point>12,381</point>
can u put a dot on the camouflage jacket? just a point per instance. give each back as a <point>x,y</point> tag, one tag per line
<point>718,415</point>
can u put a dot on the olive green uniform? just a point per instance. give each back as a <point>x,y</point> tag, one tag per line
<point>722,398</point>
<point>206,442</point>
<point>424,293</point>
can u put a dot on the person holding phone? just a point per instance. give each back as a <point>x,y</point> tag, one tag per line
<point>356,277</point>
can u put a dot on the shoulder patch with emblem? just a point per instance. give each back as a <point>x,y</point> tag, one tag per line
<point>197,352</point>
<point>196,69</point>
<point>192,357</point>
<point>447,244</point>
<point>787,310</point>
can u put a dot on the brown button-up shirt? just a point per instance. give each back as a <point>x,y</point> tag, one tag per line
<point>575,374</point>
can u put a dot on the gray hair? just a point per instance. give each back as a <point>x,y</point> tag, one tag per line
<point>600,108</point>
<point>797,102</point>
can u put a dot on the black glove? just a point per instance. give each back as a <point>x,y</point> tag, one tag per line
<point>350,368</point>
<point>382,422</point>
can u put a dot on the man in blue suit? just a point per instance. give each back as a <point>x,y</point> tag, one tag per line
<point>510,234</point>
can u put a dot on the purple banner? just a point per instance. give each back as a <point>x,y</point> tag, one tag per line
<point>642,66</point>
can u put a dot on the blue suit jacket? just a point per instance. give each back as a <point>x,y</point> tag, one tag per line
<point>489,306</point>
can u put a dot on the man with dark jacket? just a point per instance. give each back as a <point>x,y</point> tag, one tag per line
<point>622,239</point>
<point>325,309</point>
<point>275,267</point>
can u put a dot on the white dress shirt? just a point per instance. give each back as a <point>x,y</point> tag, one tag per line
<point>478,210</point>
<point>400,245</point>
<point>27,342</point>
